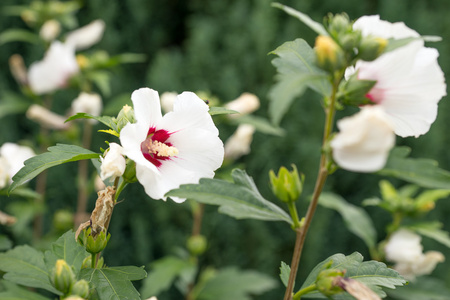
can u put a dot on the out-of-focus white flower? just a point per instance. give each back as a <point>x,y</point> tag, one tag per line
<point>12,157</point>
<point>364,140</point>
<point>113,164</point>
<point>53,72</point>
<point>90,103</point>
<point>50,30</point>
<point>178,148</point>
<point>152,298</point>
<point>4,172</point>
<point>406,251</point>
<point>410,82</point>
<point>245,104</point>
<point>46,118</point>
<point>238,144</point>
<point>167,100</point>
<point>86,36</point>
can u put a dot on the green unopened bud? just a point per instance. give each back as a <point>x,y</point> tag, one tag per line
<point>355,91</point>
<point>63,220</point>
<point>125,116</point>
<point>96,244</point>
<point>62,276</point>
<point>326,283</point>
<point>130,172</point>
<point>74,297</point>
<point>197,244</point>
<point>371,47</point>
<point>339,24</point>
<point>329,56</point>
<point>287,186</point>
<point>81,288</point>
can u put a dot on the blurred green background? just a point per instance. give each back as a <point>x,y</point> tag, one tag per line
<point>222,47</point>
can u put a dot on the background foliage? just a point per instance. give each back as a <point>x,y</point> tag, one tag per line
<point>222,47</point>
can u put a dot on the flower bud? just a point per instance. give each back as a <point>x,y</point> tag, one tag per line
<point>245,104</point>
<point>371,47</point>
<point>329,56</point>
<point>96,244</point>
<point>125,116</point>
<point>90,103</point>
<point>74,297</point>
<point>354,91</point>
<point>83,61</point>
<point>81,288</point>
<point>63,220</point>
<point>46,118</point>
<point>167,100</point>
<point>130,172</point>
<point>197,244</point>
<point>287,186</point>
<point>62,276</point>
<point>113,163</point>
<point>50,30</point>
<point>339,24</point>
<point>239,143</point>
<point>326,282</point>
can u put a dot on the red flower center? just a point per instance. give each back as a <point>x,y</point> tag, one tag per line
<point>155,148</point>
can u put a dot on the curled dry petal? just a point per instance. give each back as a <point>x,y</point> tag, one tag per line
<point>46,118</point>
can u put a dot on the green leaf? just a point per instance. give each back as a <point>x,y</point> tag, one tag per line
<point>101,80</point>
<point>426,288</point>
<point>296,71</point>
<point>372,273</point>
<point>114,283</point>
<point>107,120</point>
<point>214,111</point>
<point>433,231</point>
<point>240,199</point>
<point>285,91</point>
<point>232,283</point>
<point>25,265</point>
<point>261,124</point>
<point>12,103</point>
<point>18,35</point>
<point>68,249</point>
<point>355,218</point>
<point>285,271</point>
<point>11,291</point>
<point>57,155</point>
<point>162,275</point>
<point>423,172</point>
<point>316,26</point>
<point>5,243</point>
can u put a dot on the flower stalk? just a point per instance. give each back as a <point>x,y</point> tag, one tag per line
<point>330,107</point>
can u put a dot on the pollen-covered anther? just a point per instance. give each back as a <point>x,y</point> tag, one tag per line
<point>160,149</point>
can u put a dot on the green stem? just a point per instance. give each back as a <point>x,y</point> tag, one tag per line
<point>294,214</point>
<point>304,291</point>
<point>93,261</point>
<point>320,182</point>
<point>119,190</point>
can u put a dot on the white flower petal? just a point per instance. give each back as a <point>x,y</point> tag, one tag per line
<point>410,82</point>
<point>15,155</point>
<point>90,103</point>
<point>147,108</point>
<point>86,36</point>
<point>131,137</point>
<point>113,164</point>
<point>189,111</point>
<point>364,141</point>
<point>372,25</point>
<point>54,70</point>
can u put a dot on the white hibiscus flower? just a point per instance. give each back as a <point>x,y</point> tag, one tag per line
<point>364,140</point>
<point>410,82</point>
<point>180,147</point>
<point>12,157</point>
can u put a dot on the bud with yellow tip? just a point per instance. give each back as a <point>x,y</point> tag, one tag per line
<point>329,55</point>
<point>62,276</point>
